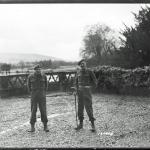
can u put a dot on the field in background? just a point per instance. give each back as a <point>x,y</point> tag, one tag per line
<point>30,70</point>
<point>121,121</point>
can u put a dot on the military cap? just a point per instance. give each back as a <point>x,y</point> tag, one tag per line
<point>79,63</point>
<point>37,67</point>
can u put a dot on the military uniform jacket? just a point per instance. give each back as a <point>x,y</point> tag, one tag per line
<point>85,78</point>
<point>37,82</point>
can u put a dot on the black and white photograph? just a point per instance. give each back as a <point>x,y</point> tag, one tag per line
<point>74,75</point>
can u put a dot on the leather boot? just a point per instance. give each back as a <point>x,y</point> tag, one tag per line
<point>46,128</point>
<point>93,126</point>
<point>32,128</point>
<point>80,126</point>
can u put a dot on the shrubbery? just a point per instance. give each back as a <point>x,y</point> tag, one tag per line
<point>118,78</point>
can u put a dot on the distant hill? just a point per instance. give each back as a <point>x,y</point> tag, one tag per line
<point>17,57</point>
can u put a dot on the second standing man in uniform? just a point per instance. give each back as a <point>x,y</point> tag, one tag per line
<point>83,80</point>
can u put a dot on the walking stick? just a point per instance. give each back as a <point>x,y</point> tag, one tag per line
<point>75,95</point>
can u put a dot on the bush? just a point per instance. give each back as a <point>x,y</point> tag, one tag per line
<point>119,78</point>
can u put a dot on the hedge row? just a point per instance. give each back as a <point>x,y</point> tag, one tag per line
<point>118,78</point>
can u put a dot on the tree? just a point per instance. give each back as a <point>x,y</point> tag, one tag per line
<point>99,41</point>
<point>135,48</point>
<point>5,67</point>
<point>45,63</point>
<point>22,65</point>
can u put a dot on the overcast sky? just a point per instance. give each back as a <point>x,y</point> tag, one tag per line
<point>57,29</point>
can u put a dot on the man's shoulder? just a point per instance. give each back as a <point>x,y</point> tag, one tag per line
<point>78,70</point>
<point>90,72</point>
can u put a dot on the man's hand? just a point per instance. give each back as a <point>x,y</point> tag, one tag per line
<point>74,90</point>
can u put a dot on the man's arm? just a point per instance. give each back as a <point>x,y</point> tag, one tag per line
<point>93,77</point>
<point>29,84</point>
<point>75,84</point>
<point>46,83</point>
<point>76,81</point>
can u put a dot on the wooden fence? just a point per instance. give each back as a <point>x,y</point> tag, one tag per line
<point>17,84</point>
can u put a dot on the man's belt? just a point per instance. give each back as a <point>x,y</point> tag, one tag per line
<point>84,86</point>
<point>38,89</point>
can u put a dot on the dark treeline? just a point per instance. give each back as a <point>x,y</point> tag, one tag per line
<point>130,50</point>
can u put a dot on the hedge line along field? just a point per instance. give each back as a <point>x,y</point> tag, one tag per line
<point>121,121</point>
<point>119,78</point>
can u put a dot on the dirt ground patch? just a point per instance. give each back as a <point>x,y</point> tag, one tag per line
<point>121,121</point>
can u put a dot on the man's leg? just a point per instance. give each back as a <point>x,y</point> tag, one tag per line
<point>42,107</point>
<point>89,108</point>
<point>33,114</point>
<point>80,110</point>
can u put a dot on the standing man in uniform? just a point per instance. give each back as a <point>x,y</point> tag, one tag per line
<point>83,80</point>
<point>37,85</point>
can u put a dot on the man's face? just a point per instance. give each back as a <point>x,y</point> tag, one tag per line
<point>38,71</point>
<point>83,65</point>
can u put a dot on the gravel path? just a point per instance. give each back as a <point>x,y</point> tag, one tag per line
<point>121,121</point>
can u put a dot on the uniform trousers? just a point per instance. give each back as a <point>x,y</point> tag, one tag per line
<point>38,99</point>
<point>85,100</point>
